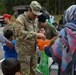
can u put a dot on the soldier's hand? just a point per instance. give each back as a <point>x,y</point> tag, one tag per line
<point>18,73</point>
<point>41,35</point>
<point>9,44</point>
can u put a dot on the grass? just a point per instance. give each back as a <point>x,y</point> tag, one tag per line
<point>57,18</point>
<point>13,19</point>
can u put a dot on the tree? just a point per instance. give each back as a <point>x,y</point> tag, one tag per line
<point>2,8</point>
<point>55,7</point>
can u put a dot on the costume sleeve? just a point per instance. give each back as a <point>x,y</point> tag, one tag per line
<point>13,42</point>
<point>3,39</point>
<point>55,51</point>
<point>47,51</point>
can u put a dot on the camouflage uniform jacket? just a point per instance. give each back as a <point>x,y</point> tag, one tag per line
<point>9,27</point>
<point>25,33</point>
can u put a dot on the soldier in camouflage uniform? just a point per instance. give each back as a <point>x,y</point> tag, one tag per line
<point>26,32</point>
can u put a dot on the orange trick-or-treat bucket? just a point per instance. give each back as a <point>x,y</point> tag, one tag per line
<point>41,43</point>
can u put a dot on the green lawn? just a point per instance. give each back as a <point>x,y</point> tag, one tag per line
<point>57,18</point>
<point>13,19</point>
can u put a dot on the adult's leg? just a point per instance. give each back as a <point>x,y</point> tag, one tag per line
<point>25,65</point>
<point>33,64</point>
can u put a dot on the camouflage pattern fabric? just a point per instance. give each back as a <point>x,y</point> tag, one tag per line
<point>25,32</point>
<point>25,65</point>
<point>9,27</point>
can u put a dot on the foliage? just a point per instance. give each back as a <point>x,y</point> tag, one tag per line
<point>55,7</point>
<point>2,8</point>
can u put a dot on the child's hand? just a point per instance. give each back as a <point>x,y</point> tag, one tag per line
<point>41,35</point>
<point>18,73</point>
<point>43,38</point>
<point>44,46</point>
<point>42,30</point>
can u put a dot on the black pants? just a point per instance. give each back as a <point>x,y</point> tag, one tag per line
<point>59,70</point>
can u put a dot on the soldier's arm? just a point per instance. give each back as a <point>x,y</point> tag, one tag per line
<point>21,32</point>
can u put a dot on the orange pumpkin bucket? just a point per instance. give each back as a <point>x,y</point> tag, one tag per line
<point>41,43</point>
